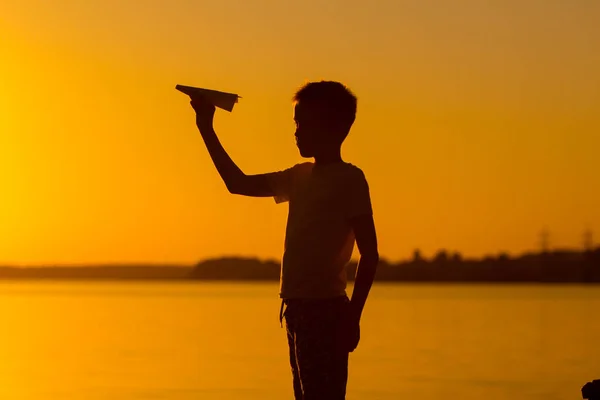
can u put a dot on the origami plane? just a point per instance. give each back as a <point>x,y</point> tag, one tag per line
<point>223,100</point>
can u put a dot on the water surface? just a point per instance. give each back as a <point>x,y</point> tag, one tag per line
<point>183,341</point>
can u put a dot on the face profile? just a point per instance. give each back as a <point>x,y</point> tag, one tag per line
<point>316,133</point>
<point>307,130</point>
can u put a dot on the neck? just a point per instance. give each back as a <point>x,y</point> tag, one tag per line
<point>324,159</point>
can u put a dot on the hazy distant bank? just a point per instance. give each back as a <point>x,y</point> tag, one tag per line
<point>556,266</point>
<point>88,272</point>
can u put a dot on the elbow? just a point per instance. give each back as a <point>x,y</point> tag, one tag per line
<point>375,260</point>
<point>233,189</point>
<point>370,259</point>
<point>235,185</point>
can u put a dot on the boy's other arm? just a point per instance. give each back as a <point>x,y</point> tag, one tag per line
<point>366,241</point>
<point>234,178</point>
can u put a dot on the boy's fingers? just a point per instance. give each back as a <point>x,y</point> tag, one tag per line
<point>199,99</point>
<point>201,104</point>
<point>197,102</point>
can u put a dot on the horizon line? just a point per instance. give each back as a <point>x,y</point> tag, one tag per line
<point>155,264</point>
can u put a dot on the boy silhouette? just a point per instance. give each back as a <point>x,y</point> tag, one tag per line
<point>329,210</point>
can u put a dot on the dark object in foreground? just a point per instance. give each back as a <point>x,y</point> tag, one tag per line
<point>591,390</point>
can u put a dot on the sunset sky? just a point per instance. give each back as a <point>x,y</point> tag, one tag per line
<point>478,122</point>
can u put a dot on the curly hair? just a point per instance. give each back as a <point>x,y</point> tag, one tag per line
<point>335,99</point>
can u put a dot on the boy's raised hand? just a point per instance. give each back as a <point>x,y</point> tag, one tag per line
<point>205,112</point>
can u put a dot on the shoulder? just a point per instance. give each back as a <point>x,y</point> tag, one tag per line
<point>294,170</point>
<point>354,174</point>
<point>301,170</point>
<point>349,180</point>
<point>305,166</point>
<point>356,193</point>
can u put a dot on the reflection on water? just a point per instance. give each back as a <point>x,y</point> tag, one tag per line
<point>106,340</point>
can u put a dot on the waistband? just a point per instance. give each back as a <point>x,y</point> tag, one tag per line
<point>306,301</point>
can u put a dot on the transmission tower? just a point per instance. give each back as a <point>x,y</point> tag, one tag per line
<point>588,240</point>
<point>544,240</point>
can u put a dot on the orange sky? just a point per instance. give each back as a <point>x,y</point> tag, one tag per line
<point>478,122</point>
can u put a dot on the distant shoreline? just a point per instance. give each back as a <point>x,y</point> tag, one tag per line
<point>558,267</point>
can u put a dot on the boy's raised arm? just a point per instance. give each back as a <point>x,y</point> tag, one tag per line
<point>234,178</point>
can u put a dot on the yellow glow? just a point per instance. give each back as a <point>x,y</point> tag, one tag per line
<point>477,125</point>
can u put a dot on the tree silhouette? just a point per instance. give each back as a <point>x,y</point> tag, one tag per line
<point>441,257</point>
<point>417,257</point>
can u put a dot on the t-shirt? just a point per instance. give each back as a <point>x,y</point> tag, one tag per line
<point>319,239</point>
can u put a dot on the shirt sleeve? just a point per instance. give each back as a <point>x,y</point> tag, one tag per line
<point>281,183</point>
<point>358,197</point>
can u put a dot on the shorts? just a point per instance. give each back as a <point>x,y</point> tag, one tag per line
<point>317,356</point>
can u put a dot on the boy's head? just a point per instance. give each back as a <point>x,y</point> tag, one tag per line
<point>324,113</point>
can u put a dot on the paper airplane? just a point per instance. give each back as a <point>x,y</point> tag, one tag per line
<point>223,100</point>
